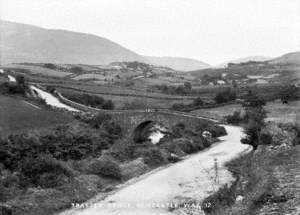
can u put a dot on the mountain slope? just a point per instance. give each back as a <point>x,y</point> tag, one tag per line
<point>289,58</point>
<point>27,43</point>
<point>178,63</point>
<point>245,59</point>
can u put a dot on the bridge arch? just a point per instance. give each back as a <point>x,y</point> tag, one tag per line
<point>139,132</point>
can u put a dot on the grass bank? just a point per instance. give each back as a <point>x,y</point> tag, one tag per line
<point>266,182</point>
<point>45,171</point>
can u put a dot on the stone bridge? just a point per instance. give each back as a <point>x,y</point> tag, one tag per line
<point>132,121</point>
<point>135,121</point>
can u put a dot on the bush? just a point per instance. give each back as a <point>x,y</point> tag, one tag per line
<point>122,151</point>
<point>12,88</point>
<point>64,142</point>
<point>235,118</point>
<point>151,156</point>
<point>225,196</point>
<point>198,102</point>
<point>225,96</point>
<point>105,122</point>
<point>178,106</point>
<point>50,66</point>
<point>108,105</point>
<point>215,130</point>
<point>91,100</point>
<point>45,171</point>
<point>172,148</point>
<point>76,69</point>
<point>105,167</point>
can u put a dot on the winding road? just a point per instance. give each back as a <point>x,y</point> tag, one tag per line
<point>194,177</point>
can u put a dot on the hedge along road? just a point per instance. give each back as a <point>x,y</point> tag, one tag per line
<point>194,177</point>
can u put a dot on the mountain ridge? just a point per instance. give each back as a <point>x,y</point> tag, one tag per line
<point>178,63</point>
<point>29,43</point>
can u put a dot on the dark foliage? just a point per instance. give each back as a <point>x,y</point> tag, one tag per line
<point>178,106</point>
<point>104,121</point>
<point>225,96</point>
<point>63,142</point>
<point>105,167</point>
<point>50,66</point>
<point>184,89</point>
<point>235,118</point>
<point>76,69</point>
<point>20,87</point>
<point>225,196</point>
<point>91,100</point>
<point>151,156</point>
<point>44,171</point>
<point>198,102</point>
<point>254,118</point>
<point>288,94</point>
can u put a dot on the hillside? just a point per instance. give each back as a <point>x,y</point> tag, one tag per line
<point>178,63</point>
<point>245,59</point>
<point>27,43</point>
<point>289,58</point>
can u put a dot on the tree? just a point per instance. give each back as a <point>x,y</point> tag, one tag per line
<point>20,79</point>
<point>50,66</point>
<point>254,117</point>
<point>188,86</point>
<point>288,94</point>
<point>76,69</point>
<point>198,102</point>
<point>180,90</point>
<point>225,96</point>
<point>108,105</point>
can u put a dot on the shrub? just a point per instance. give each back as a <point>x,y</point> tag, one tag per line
<point>50,66</point>
<point>122,151</point>
<point>215,130</point>
<point>64,142</point>
<point>76,69</point>
<point>91,100</point>
<point>106,122</point>
<point>45,171</point>
<point>108,105</point>
<point>198,102</point>
<point>178,106</point>
<point>151,156</point>
<point>225,96</point>
<point>235,118</point>
<point>289,93</point>
<point>105,167</point>
<point>12,88</point>
<point>178,130</point>
<point>171,147</point>
<point>225,196</point>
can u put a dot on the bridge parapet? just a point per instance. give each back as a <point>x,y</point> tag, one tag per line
<point>130,119</point>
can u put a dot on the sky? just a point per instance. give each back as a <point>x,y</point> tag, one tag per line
<point>212,31</point>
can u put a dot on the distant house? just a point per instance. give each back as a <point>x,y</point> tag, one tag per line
<point>221,82</point>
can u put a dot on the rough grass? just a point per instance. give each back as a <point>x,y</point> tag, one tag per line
<point>276,111</point>
<point>35,69</point>
<point>267,181</point>
<point>16,115</point>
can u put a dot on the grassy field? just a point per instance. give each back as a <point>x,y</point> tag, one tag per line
<point>276,111</point>
<point>120,100</point>
<point>18,114</point>
<point>39,70</point>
